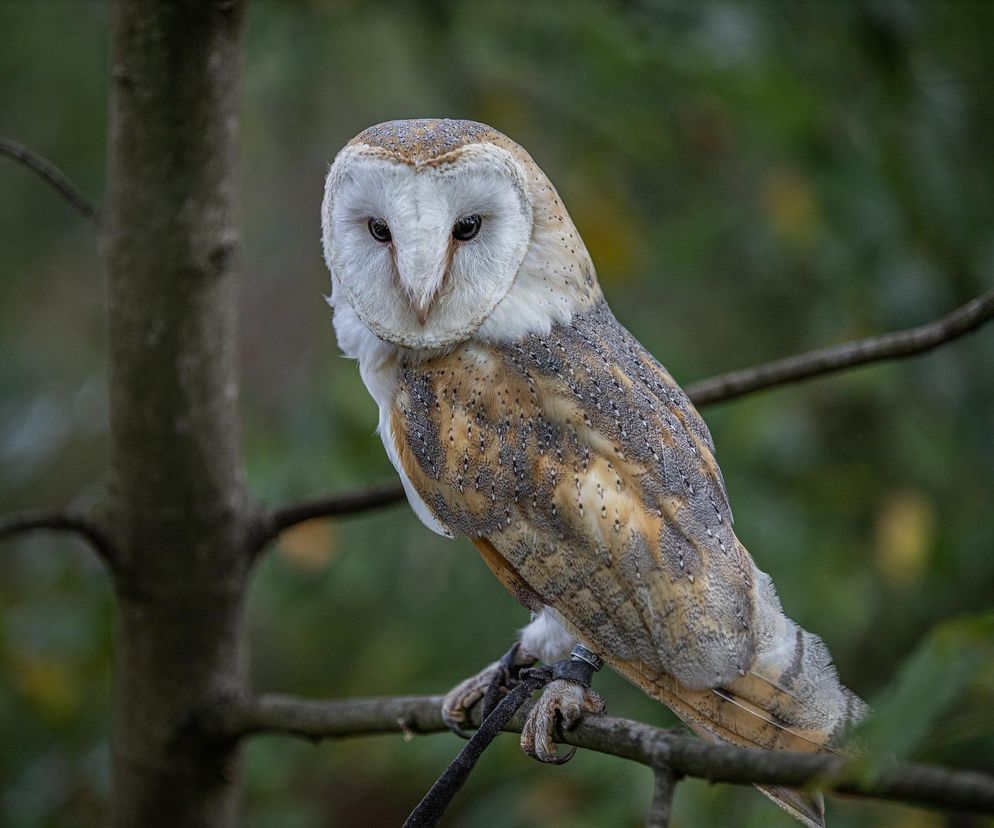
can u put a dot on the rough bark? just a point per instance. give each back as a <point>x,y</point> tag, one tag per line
<point>177,508</point>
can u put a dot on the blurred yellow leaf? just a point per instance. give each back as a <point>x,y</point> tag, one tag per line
<point>309,546</point>
<point>48,684</point>
<point>792,206</point>
<point>905,533</point>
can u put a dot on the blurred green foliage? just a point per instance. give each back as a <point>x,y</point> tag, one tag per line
<point>955,661</point>
<point>752,178</point>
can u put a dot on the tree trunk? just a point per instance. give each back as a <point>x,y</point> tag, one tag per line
<point>177,507</point>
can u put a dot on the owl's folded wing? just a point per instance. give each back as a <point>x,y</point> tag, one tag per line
<point>579,459</point>
<point>588,481</point>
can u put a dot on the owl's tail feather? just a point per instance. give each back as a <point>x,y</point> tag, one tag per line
<point>790,698</point>
<point>807,808</point>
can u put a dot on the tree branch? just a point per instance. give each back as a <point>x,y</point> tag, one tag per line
<point>347,503</point>
<point>664,786</point>
<point>655,747</point>
<point>52,174</point>
<point>834,358</point>
<point>88,530</point>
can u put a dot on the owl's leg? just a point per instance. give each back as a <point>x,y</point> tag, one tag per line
<point>543,639</point>
<point>566,699</point>
<point>546,638</point>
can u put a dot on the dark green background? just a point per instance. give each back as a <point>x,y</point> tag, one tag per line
<point>752,179</point>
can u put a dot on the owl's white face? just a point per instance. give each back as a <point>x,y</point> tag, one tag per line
<point>424,253</point>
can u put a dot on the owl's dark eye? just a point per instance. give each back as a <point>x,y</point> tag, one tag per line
<point>379,230</point>
<point>466,228</point>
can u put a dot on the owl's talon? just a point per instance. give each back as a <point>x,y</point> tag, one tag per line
<point>490,685</point>
<point>455,726</point>
<point>561,760</point>
<point>461,699</point>
<point>562,701</point>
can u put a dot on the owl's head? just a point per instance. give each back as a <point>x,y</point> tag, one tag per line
<point>425,225</point>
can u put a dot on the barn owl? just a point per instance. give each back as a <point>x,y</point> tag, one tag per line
<point>520,413</point>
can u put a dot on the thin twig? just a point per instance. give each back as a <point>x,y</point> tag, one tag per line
<point>655,747</point>
<point>663,789</point>
<point>52,174</point>
<point>17,524</point>
<point>705,392</point>
<point>347,503</point>
<point>834,358</point>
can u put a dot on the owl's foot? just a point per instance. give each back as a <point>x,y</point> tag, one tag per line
<point>563,701</point>
<point>490,684</point>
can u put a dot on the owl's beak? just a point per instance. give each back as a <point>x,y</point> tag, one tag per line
<point>423,279</point>
<point>422,303</point>
<point>424,251</point>
<point>422,307</point>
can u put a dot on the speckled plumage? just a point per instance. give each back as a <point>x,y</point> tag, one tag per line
<point>542,430</point>
<point>589,480</point>
<point>579,459</point>
<point>427,140</point>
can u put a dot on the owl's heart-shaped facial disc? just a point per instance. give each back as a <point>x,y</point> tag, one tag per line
<point>424,252</point>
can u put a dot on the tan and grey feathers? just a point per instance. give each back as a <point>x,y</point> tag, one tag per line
<point>588,481</point>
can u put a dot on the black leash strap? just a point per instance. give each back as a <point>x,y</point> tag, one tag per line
<point>437,800</point>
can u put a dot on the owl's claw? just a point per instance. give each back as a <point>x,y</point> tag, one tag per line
<point>563,701</point>
<point>461,698</point>
<point>490,685</point>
